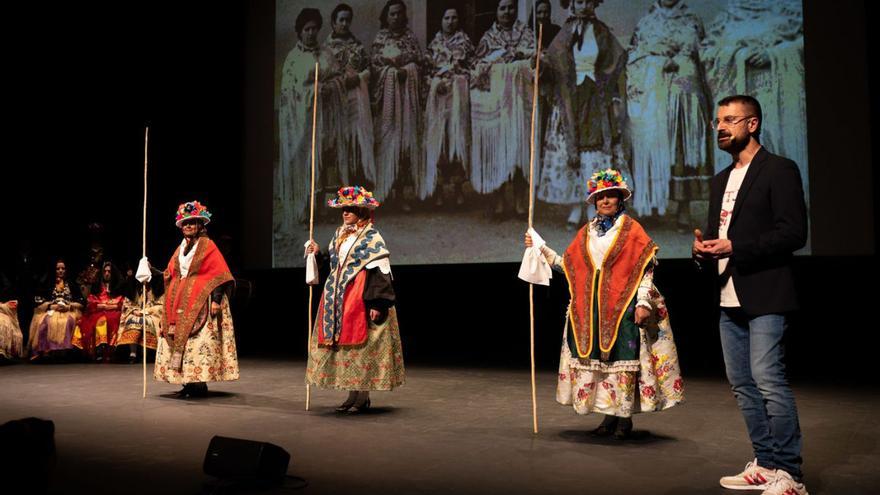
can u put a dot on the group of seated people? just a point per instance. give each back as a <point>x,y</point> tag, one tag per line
<point>90,322</point>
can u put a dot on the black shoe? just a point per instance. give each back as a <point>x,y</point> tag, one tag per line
<point>359,409</point>
<point>607,427</point>
<point>193,390</point>
<point>184,392</point>
<point>624,429</point>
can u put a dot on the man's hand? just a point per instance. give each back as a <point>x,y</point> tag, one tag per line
<point>215,308</point>
<point>718,248</point>
<point>698,250</point>
<point>375,314</point>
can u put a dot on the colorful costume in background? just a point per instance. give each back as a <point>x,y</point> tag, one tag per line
<point>397,112</point>
<point>52,329</point>
<point>501,101</point>
<point>669,110</point>
<point>10,332</point>
<point>98,326</point>
<point>133,324</point>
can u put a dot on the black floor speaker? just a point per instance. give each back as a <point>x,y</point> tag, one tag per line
<point>230,458</point>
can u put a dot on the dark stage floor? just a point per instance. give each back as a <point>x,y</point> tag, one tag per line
<point>446,431</point>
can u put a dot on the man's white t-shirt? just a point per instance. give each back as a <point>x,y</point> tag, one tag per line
<point>728,293</point>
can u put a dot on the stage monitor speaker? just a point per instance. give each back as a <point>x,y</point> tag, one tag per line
<point>231,458</point>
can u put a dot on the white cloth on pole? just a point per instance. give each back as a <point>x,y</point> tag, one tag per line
<point>143,274</point>
<point>312,276</point>
<point>534,268</point>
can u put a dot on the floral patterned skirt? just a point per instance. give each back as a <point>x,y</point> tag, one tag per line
<point>593,386</point>
<point>377,364</point>
<point>210,354</point>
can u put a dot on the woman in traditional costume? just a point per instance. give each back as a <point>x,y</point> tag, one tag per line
<point>10,331</point>
<point>449,109</point>
<point>197,339</point>
<point>355,343</point>
<point>96,334</point>
<point>669,110</point>
<point>57,311</point>
<point>354,155</point>
<point>295,121</point>
<point>618,357</point>
<point>501,101</point>
<point>397,61</point>
<point>135,323</point>
<point>587,67</point>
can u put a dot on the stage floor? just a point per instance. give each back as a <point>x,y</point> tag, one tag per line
<point>448,430</point>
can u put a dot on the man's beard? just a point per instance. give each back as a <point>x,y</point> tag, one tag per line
<point>732,145</point>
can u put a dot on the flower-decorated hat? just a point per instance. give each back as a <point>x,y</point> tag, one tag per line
<point>605,180</point>
<point>353,196</point>
<point>192,209</point>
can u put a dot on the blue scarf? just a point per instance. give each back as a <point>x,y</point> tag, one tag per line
<point>605,222</point>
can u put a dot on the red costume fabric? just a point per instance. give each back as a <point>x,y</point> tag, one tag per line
<point>93,317</point>
<point>187,298</point>
<point>616,278</point>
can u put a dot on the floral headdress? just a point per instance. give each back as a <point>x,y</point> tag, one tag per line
<point>353,196</point>
<point>192,209</point>
<point>604,180</point>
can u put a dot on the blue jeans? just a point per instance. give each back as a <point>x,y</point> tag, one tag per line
<point>753,355</point>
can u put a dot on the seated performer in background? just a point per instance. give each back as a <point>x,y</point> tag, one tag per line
<point>618,357</point>
<point>355,344</point>
<point>58,308</point>
<point>10,332</point>
<point>100,321</point>
<point>135,321</point>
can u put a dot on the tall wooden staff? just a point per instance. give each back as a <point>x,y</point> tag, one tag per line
<point>144,255</point>
<point>531,217</point>
<point>312,223</point>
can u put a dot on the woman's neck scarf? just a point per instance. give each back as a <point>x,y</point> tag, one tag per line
<point>605,222</point>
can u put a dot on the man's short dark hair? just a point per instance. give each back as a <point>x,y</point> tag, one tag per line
<point>342,7</point>
<point>306,15</point>
<point>754,107</point>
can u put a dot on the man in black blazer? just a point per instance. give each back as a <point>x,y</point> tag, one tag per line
<point>757,219</point>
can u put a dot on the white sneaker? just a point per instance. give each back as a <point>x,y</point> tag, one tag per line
<point>753,477</point>
<point>784,484</point>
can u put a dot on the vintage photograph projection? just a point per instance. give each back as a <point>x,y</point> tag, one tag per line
<point>428,105</point>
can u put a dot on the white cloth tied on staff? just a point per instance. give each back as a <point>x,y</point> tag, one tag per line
<point>534,268</point>
<point>312,277</point>
<point>143,274</point>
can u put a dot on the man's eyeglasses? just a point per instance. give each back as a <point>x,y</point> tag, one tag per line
<point>729,121</point>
